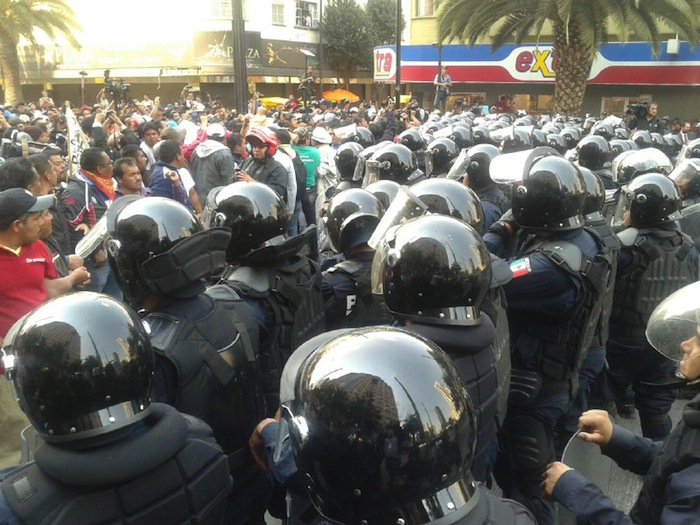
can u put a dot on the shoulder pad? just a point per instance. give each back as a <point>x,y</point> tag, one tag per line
<point>349,267</point>
<point>501,273</point>
<point>628,236</point>
<point>250,279</point>
<point>163,329</point>
<point>563,252</point>
<point>222,292</point>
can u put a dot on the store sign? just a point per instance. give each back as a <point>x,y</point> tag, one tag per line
<point>533,64</point>
<point>384,64</point>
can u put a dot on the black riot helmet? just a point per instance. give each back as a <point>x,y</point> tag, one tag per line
<point>604,130</point>
<point>594,152</point>
<point>434,270</point>
<point>394,162</point>
<point>517,140</point>
<point>642,138</point>
<point>252,211</point>
<point>571,136</point>
<point>444,151</point>
<point>539,138</point>
<point>649,200</point>
<point>657,141</point>
<point>82,367</point>
<point>362,136</point>
<point>352,215</point>
<point>691,150</point>
<point>413,140</point>
<point>618,146</point>
<point>551,197</point>
<point>481,135</point>
<point>556,141</point>
<point>156,246</point>
<point>595,195</point>
<point>346,159</point>
<point>476,164</point>
<point>642,161</point>
<point>382,427</point>
<point>687,176</point>
<point>622,133</point>
<point>462,136</point>
<point>384,190</point>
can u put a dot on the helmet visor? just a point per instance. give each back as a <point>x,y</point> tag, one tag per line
<point>405,206</point>
<point>675,323</point>
<point>384,255</point>
<point>621,217</point>
<point>93,239</point>
<point>511,167</point>
<point>371,169</point>
<point>459,169</point>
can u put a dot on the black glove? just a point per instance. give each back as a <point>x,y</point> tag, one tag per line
<point>505,227</point>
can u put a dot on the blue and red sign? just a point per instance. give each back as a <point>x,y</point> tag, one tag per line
<point>625,64</point>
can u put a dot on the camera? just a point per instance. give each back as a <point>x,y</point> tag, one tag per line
<point>639,110</point>
<point>115,86</point>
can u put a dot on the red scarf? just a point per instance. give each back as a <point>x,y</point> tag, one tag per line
<point>104,184</point>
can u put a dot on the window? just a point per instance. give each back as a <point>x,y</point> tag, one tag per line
<point>306,15</point>
<point>278,14</point>
<point>425,7</point>
<point>618,105</point>
<point>223,9</point>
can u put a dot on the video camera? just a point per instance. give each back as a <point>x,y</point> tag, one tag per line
<point>638,110</point>
<point>115,86</point>
<point>11,145</point>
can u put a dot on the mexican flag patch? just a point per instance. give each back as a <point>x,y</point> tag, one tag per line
<point>521,267</point>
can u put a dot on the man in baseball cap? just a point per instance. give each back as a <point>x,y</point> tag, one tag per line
<point>17,202</point>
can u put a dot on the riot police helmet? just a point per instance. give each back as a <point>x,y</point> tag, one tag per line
<point>618,146</point>
<point>642,138</point>
<point>362,136</point>
<point>648,200</point>
<point>642,161</point>
<point>687,176</point>
<point>595,194</point>
<point>516,140</point>
<point>434,270</point>
<point>556,141</point>
<point>604,130</point>
<point>474,163</point>
<point>384,190</point>
<point>571,136</point>
<point>551,197</point>
<point>594,152</point>
<point>462,136</point>
<point>444,151</point>
<point>539,138</point>
<point>381,426</point>
<point>252,212</point>
<point>481,135</point>
<point>352,216</point>
<point>346,160</point>
<point>83,366</point>
<point>691,150</point>
<point>622,133</point>
<point>395,162</point>
<point>413,140</point>
<point>156,246</point>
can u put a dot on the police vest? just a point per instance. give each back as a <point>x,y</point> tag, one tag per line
<point>495,306</point>
<point>565,340</point>
<point>661,264</point>
<point>163,475</point>
<point>362,308</point>
<point>218,378</point>
<point>609,253</point>
<point>492,510</point>
<point>291,293</point>
<point>680,451</point>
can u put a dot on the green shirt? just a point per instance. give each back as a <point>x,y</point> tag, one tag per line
<point>312,160</point>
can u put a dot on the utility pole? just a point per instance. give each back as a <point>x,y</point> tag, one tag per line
<point>240,73</point>
<point>398,53</point>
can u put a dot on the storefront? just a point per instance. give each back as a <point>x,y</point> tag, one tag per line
<point>621,74</point>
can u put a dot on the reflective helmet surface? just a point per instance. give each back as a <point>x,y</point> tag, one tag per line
<point>444,151</point>
<point>594,152</point>
<point>396,162</point>
<point>266,136</point>
<point>346,159</point>
<point>141,234</point>
<point>618,146</point>
<point>651,199</point>
<point>692,149</point>
<point>352,215</point>
<point>434,269</point>
<point>481,135</point>
<point>381,426</point>
<point>413,140</point>
<point>363,136</point>
<point>604,130</point>
<point>539,138</point>
<point>84,366</point>
<point>571,136</point>
<point>642,138</point>
<point>551,197</point>
<point>595,192</point>
<point>253,212</point>
<point>462,136</point>
<point>450,198</point>
<point>557,142</point>
<point>687,176</point>
<point>384,190</point>
<point>638,162</point>
<point>517,140</point>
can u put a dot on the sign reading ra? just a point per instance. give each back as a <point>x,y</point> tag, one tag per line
<point>384,64</point>
<point>533,64</point>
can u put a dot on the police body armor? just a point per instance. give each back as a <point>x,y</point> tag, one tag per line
<point>369,309</point>
<point>680,451</point>
<point>661,265</point>
<point>564,341</point>
<point>610,251</point>
<point>163,475</point>
<point>220,382</point>
<point>492,510</point>
<point>289,285</point>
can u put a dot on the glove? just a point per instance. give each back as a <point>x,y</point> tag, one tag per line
<point>505,227</point>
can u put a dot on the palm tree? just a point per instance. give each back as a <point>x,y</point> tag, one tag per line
<point>21,18</point>
<point>578,27</point>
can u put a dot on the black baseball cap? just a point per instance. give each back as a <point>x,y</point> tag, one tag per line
<point>15,202</point>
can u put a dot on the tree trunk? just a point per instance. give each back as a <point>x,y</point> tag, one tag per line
<point>574,61</point>
<point>10,70</point>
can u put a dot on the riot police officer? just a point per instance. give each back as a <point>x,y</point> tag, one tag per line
<point>351,219</point>
<point>443,152</point>
<point>271,271</point>
<point>82,366</point>
<point>435,273</point>
<point>346,158</point>
<point>205,344</point>
<point>656,259</point>
<point>393,162</point>
<point>595,154</point>
<point>553,302</point>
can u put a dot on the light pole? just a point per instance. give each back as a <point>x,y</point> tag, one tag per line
<point>82,74</point>
<point>240,74</point>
